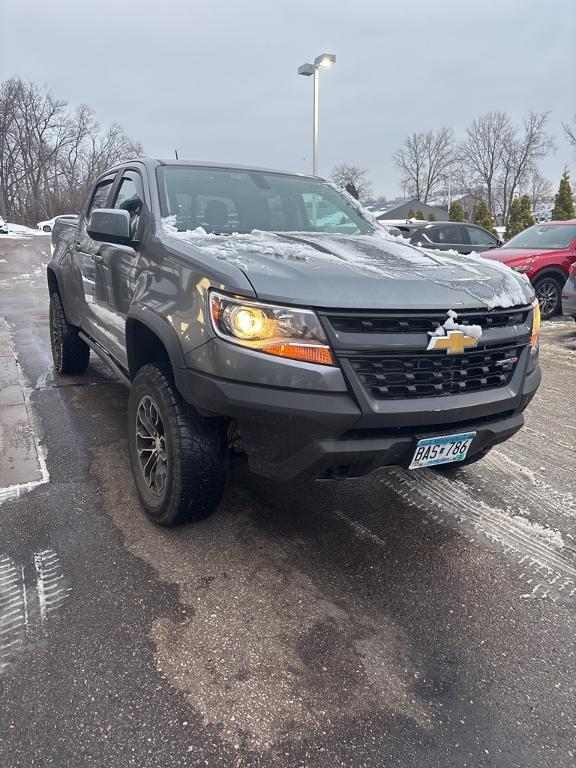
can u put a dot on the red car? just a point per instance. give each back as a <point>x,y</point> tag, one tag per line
<point>544,253</point>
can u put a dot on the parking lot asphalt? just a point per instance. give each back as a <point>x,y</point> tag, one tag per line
<point>406,619</point>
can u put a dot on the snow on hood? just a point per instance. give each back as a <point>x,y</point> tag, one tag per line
<point>359,271</point>
<point>237,247</point>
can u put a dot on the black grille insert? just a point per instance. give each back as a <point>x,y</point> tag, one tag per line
<point>414,323</point>
<point>386,377</point>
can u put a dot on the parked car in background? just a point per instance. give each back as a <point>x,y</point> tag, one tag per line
<point>3,227</point>
<point>449,236</point>
<point>569,293</point>
<point>48,226</point>
<point>544,253</point>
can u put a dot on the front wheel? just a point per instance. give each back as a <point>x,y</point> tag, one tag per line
<point>46,228</point>
<point>179,459</point>
<point>549,294</point>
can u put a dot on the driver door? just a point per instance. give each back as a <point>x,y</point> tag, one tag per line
<point>115,273</point>
<point>87,254</point>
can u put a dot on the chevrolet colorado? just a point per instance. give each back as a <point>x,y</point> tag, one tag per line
<point>267,312</point>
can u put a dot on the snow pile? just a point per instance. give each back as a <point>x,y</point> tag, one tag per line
<point>451,325</point>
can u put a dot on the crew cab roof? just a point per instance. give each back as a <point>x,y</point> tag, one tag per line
<point>152,162</point>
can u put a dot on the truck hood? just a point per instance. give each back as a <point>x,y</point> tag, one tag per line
<point>372,272</point>
<point>362,272</point>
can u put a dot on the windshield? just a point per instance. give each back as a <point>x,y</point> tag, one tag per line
<point>225,200</point>
<point>547,237</point>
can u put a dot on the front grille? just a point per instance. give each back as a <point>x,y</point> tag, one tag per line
<point>388,377</point>
<point>422,323</point>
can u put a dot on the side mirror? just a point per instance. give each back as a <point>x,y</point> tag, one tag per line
<point>109,225</point>
<point>500,243</point>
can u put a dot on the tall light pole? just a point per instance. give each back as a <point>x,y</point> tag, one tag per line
<point>325,60</point>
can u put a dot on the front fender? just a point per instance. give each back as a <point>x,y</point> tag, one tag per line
<point>161,327</point>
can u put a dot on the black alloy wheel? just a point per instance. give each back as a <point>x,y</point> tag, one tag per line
<point>151,445</point>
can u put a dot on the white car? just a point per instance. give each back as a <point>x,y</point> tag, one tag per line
<point>47,226</point>
<point>3,227</point>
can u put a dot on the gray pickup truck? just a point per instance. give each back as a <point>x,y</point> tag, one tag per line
<point>266,313</point>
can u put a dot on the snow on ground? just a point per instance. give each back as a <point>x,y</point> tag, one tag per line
<point>17,231</point>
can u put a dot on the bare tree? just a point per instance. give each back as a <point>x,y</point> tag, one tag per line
<point>525,147</point>
<point>499,157</point>
<point>538,188</point>
<point>482,152</point>
<point>425,160</point>
<point>353,179</point>
<point>49,155</point>
<point>570,131</point>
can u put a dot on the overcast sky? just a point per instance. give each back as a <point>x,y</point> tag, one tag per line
<point>218,80</point>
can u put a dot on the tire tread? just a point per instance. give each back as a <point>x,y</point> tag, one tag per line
<point>75,352</point>
<point>199,456</point>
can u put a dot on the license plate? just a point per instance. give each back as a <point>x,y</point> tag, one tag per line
<point>441,450</point>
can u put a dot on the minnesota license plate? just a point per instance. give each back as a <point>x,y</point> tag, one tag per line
<point>441,450</point>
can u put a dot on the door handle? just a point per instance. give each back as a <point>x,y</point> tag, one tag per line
<point>98,259</point>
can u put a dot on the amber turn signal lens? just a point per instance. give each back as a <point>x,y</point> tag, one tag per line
<point>536,322</point>
<point>309,353</point>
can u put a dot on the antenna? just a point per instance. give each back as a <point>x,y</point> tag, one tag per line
<point>176,154</point>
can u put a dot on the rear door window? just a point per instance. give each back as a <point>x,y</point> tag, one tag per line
<point>479,236</point>
<point>445,235</point>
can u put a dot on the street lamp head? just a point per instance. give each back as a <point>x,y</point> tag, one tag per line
<point>325,60</point>
<point>306,69</point>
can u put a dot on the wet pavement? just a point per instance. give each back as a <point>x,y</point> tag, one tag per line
<point>406,619</point>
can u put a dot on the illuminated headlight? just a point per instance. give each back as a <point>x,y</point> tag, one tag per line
<point>522,268</point>
<point>282,331</point>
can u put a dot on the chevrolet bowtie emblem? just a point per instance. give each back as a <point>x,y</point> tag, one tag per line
<point>455,342</point>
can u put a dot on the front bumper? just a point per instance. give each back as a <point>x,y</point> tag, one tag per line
<point>289,433</point>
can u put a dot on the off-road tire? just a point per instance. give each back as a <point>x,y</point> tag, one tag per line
<point>195,447</point>
<point>552,284</point>
<point>69,353</point>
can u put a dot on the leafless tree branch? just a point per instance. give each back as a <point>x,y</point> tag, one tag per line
<point>49,154</point>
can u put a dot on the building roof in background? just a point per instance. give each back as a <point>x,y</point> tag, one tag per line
<point>401,211</point>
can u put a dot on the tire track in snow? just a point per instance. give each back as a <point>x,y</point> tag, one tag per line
<point>547,565</point>
<point>29,595</point>
<point>515,483</point>
<point>13,611</point>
